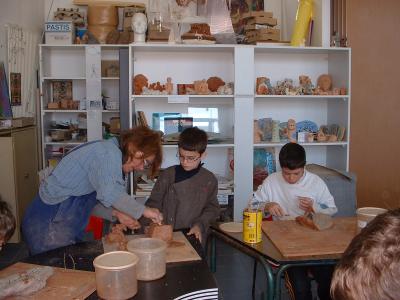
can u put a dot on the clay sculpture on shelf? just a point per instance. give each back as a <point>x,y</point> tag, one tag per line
<point>139,82</point>
<point>198,33</point>
<point>169,86</point>
<point>201,87</point>
<point>214,83</point>
<point>290,131</point>
<point>306,86</point>
<point>258,134</point>
<point>262,86</point>
<point>324,85</point>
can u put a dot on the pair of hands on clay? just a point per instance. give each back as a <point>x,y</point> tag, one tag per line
<point>151,213</point>
<point>196,231</point>
<point>126,220</point>
<point>275,209</point>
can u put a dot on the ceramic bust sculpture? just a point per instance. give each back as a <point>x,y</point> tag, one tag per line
<point>139,27</point>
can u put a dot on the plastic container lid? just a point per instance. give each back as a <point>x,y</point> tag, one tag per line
<point>370,211</point>
<point>116,260</point>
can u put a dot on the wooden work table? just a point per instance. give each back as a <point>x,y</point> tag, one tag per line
<point>181,278</point>
<point>313,247</point>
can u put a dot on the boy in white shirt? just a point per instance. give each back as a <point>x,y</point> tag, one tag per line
<point>290,193</point>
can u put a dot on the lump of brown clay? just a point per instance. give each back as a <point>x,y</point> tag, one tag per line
<point>163,232</point>
<point>116,236</point>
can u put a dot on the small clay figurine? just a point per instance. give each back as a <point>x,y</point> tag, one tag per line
<point>139,27</point>
<point>306,86</point>
<point>324,85</point>
<point>261,86</point>
<point>310,137</point>
<point>201,87</point>
<point>257,132</point>
<point>140,81</point>
<point>321,137</point>
<point>275,132</point>
<point>290,130</point>
<point>169,87</point>
<point>214,83</point>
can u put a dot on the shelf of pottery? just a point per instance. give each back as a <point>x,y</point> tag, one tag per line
<point>251,99</point>
<point>176,86</point>
<point>302,95</point>
<point>79,96</point>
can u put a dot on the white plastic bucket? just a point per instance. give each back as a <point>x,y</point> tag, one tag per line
<point>116,275</point>
<point>366,214</point>
<point>152,257</point>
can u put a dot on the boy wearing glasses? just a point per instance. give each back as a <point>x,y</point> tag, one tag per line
<point>187,193</point>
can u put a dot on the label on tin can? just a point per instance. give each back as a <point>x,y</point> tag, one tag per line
<point>252,226</point>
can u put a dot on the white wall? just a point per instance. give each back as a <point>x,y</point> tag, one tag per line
<point>25,13</point>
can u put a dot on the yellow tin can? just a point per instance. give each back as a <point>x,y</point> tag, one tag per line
<point>252,220</point>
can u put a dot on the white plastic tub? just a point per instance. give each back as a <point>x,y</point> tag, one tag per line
<point>366,215</point>
<point>116,275</point>
<point>151,253</point>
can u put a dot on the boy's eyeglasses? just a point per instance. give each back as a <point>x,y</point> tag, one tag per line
<point>187,158</point>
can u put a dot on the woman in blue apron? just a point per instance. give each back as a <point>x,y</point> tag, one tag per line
<point>91,177</point>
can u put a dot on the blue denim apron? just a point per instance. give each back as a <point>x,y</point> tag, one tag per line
<point>46,227</point>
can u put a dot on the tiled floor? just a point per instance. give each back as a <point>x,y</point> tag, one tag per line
<point>234,275</point>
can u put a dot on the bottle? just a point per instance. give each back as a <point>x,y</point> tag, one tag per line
<point>252,220</point>
<point>302,23</point>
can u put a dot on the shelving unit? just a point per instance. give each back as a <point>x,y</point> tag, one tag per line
<point>242,65</point>
<point>288,62</point>
<point>80,64</point>
<point>189,63</point>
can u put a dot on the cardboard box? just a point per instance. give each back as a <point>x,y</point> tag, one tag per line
<point>251,14</point>
<point>59,32</point>
<point>115,125</point>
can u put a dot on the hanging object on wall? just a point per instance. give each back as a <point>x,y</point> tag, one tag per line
<point>22,54</point>
<point>15,88</point>
<point>5,106</point>
<point>303,23</point>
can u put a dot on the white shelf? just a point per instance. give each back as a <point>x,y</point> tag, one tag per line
<point>298,50</point>
<point>159,47</point>
<point>214,145</point>
<point>64,111</point>
<point>183,96</point>
<point>63,143</point>
<point>315,144</point>
<point>83,46</point>
<point>303,97</point>
<point>110,111</point>
<point>63,78</point>
<point>109,78</point>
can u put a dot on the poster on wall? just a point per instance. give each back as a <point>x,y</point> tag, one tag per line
<point>15,88</point>
<point>5,105</point>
